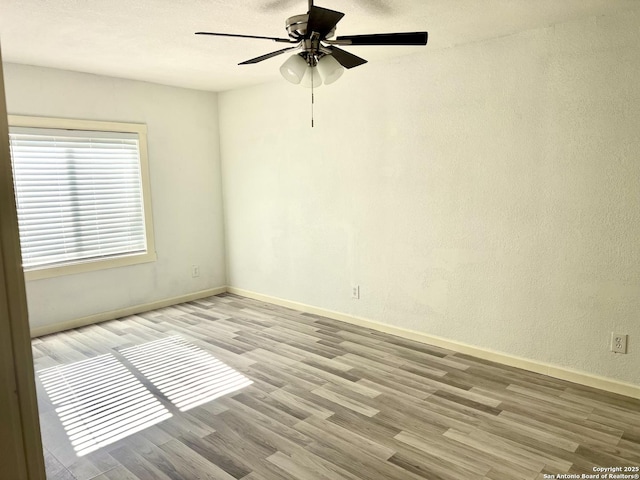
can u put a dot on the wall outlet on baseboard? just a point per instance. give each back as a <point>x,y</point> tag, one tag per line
<point>195,271</point>
<point>355,292</point>
<point>619,342</point>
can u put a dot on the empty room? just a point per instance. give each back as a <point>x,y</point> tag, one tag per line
<point>320,240</point>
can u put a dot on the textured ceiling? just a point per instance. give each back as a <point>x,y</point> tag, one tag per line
<point>153,40</point>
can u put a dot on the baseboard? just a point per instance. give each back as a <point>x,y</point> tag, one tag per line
<point>555,371</point>
<point>123,312</point>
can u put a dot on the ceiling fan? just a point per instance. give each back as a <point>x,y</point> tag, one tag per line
<point>320,59</point>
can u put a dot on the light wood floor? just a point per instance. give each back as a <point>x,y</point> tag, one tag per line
<point>333,401</point>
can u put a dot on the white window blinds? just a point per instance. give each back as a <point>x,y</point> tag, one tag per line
<point>79,195</point>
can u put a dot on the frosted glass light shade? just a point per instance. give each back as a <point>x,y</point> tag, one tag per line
<point>311,74</point>
<point>293,69</point>
<point>330,69</point>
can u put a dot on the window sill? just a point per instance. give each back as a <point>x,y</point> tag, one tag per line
<point>89,266</point>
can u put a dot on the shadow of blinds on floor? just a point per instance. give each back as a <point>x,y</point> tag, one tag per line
<point>187,375</point>
<point>99,401</point>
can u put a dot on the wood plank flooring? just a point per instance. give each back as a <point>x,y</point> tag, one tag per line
<point>329,400</point>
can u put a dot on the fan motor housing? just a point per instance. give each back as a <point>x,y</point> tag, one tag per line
<point>297,27</point>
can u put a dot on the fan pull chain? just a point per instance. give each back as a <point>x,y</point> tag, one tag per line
<point>312,99</point>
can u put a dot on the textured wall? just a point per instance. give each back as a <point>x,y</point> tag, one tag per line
<point>487,193</point>
<point>184,168</point>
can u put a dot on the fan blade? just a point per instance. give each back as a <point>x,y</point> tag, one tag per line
<point>268,55</point>
<point>409,38</point>
<point>275,39</point>
<point>346,59</point>
<point>322,20</point>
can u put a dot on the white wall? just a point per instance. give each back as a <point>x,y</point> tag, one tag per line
<point>488,194</point>
<point>184,163</point>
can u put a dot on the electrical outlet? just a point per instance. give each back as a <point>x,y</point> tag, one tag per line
<point>619,343</point>
<point>355,292</point>
<point>195,271</point>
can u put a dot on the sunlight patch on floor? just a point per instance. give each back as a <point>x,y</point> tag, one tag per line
<point>187,375</point>
<point>99,401</point>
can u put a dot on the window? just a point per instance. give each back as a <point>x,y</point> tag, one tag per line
<point>82,195</point>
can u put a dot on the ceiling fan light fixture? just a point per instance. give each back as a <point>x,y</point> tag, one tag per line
<point>330,69</point>
<point>311,78</point>
<point>294,69</point>
<point>320,60</point>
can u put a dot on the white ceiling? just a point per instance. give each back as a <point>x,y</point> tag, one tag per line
<point>153,40</point>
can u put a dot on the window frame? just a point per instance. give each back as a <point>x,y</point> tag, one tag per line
<point>91,265</point>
